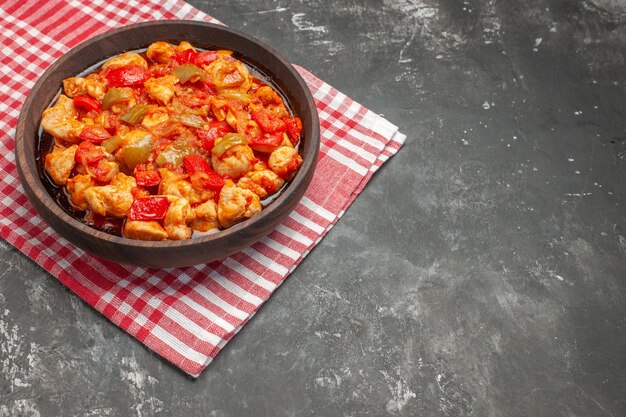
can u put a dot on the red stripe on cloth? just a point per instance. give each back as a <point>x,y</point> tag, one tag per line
<point>35,14</point>
<point>55,28</point>
<point>186,315</point>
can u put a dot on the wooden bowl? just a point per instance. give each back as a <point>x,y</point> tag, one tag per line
<point>169,253</point>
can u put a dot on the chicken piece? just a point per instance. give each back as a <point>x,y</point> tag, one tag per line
<point>144,230</point>
<point>169,183</point>
<point>134,135</point>
<point>206,216</point>
<point>109,121</point>
<point>284,161</point>
<point>287,141</point>
<point>250,130</point>
<point>76,187</point>
<point>238,120</point>
<point>219,107</point>
<point>152,120</point>
<point>178,185</point>
<point>236,204</point>
<point>192,98</point>
<point>234,162</point>
<point>229,75</point>
<point>161,89</point>
<point>266,97</point>
<point>260,165</point>
<point>61,120</point>
<point>114,199</point>
<point>59,164</point>
<point>127,58</point>
<point>160,52</point>
<point>104,171</point>
<point>183,46</point>
<point>178,214</point>
<point>78,86</point>
<point>263,183</point>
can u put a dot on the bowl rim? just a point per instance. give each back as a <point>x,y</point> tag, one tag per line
<point>264,218</point>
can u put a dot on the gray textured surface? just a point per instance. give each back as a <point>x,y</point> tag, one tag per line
<point>482,271</point>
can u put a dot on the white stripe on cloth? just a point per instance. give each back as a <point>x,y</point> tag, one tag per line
<point>379,124</point>
<point>184,350</point>
<point>308,223</point>
<point>265,261</point>
<point>280,248</point>
<point>213,298</point>
<point>249,275</point>
<point>367,139</point>
<point>344,160</point>
<point>294,235</point>
<point>369,157</point>
<point>317,209</point>
<point>235,289</point>
<point>205,312</point>
<point>189,325</point>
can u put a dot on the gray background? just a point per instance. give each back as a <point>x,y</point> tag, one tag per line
<point>481,272</point>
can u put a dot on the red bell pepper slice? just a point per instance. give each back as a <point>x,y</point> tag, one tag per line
<point>87,153</point>
<point>183,57</point>
<point>94,159</point>
<point>94,133</point>
<point>195,163</point>
<point>294,128</point>
<point>203,58</point>
<point>201,174</point>
<point>208,87</point>
<point>207,137</point>
<point>149,208</point>
<point>87,103</point>
<point>208,181</point>
<point>189,56</point>
<point>127,76</point>
<point>148,178</point>
<point>268,121</point>
<point>272,140</point>
<point>216,130</point>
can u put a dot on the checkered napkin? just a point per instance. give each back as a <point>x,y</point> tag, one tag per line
<point>186,315</point>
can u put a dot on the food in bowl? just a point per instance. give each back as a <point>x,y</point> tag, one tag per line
<point>169,143</point>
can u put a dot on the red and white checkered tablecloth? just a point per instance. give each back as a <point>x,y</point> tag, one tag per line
<point>186,315</point>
